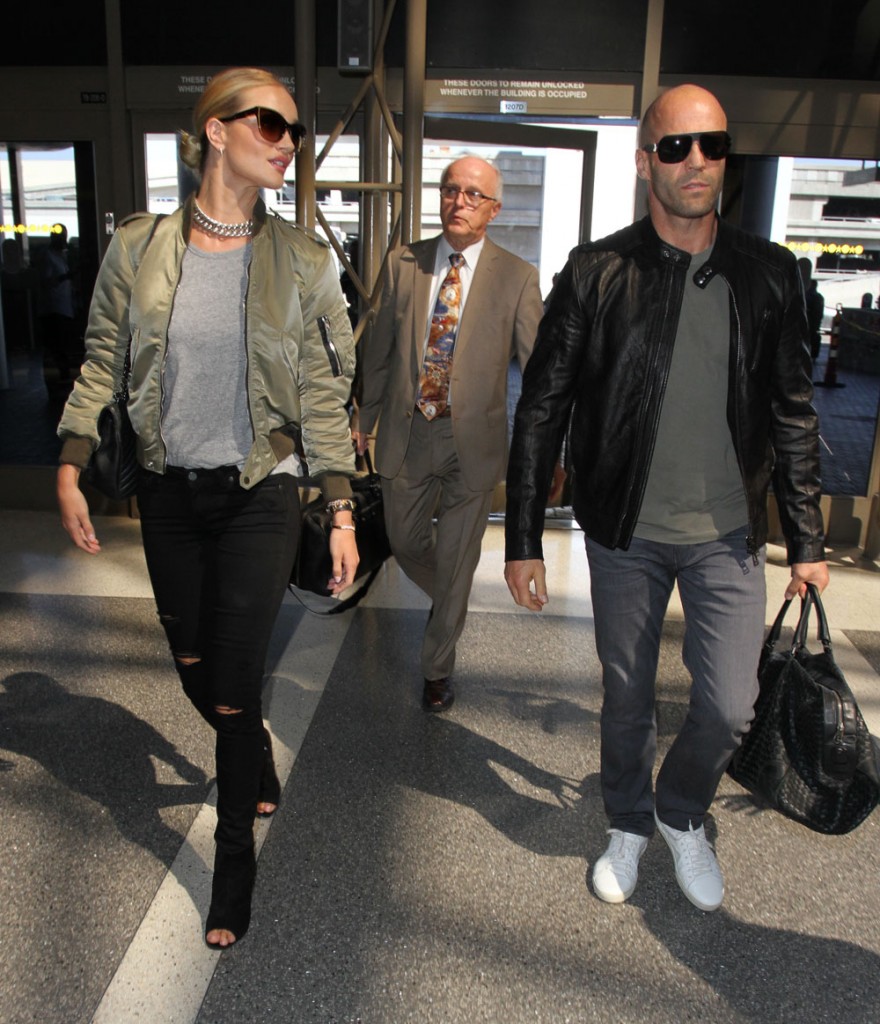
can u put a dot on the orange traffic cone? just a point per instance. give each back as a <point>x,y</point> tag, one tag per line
<point>830,378</point>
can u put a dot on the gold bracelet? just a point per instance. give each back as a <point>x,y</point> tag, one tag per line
<point>340,505</point>
<point>344,526</point>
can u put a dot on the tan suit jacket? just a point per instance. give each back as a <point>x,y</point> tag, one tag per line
<point>500,321</point>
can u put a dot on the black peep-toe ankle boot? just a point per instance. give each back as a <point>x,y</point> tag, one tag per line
<point>270,787</point>
<point>231,892</point>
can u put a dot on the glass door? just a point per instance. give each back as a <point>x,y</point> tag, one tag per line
<point>49,261</point>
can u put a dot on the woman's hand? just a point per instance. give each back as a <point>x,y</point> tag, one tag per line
<point>75,510</point>
<point>343,550</point>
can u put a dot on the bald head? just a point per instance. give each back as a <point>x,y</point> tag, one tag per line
<point>684,182</point>
<point>475,165</point>
<point>686,108</point>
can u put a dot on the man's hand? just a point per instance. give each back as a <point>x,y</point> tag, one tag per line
<point>803,573</point>
<point>519,577</point>
<point>360,441</point>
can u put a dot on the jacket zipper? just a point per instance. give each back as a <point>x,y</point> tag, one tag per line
<point>751,546</point>
<point>162,366</point>
<point>764,321</point>
<point>642,431</point>
<point>329,347</point>
<point>247,353</point>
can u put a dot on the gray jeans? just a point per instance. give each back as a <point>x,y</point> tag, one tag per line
<point>724,599</point>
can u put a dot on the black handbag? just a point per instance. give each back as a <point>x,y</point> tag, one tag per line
<point>808,753</point>
<point>313,565</point>
<point>113,468</point>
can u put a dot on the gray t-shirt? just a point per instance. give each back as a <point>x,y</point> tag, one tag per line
<point>205,417</point>
<point>695,491</point>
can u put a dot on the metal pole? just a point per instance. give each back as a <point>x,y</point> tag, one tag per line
<point>374,204</point>
<point>650,87</point>
<point>413,119</point>
<point>651,62</point>
<point>304,69</point>
<point>120,134</point>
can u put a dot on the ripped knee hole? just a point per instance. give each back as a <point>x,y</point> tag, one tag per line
<point>187,659</point>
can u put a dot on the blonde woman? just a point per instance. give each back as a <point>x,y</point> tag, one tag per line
<point>240,347</point>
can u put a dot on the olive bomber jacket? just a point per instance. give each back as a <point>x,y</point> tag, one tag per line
<point>300,350</point>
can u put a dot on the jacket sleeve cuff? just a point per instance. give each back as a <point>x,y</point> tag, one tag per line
<point>806,553</point>
<point>333,486</point>
<point>76,450</point>
<point>522,548</point>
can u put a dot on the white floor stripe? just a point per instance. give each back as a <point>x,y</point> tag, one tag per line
<point>167,968</point>
<point>858,673</point>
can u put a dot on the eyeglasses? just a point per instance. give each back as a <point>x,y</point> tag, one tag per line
<point>672,149</point>
<point>471,197</point>
<point>272,125</point>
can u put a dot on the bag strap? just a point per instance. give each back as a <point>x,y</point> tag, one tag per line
<point>157,218</point>
<point>121,394</point>
<point>368,462</point>
<point>338,606</point>
<point>312,482</point>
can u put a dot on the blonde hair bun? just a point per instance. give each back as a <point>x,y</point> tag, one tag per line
<point>190,150</point>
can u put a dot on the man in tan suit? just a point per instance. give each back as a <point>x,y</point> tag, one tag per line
<point>446,467</point>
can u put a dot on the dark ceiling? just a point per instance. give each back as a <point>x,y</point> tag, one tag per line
<point>832,39</point>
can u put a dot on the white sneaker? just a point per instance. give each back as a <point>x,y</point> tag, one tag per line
<point>616,872</point>
<point>696,868</point>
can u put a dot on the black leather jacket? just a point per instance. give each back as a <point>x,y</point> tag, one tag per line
<point>603,354</point>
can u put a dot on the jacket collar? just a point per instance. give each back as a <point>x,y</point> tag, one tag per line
<point>718,259</point>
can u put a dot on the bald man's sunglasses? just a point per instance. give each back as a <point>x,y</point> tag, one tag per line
<point>272,125</point>
<point>672,149</point>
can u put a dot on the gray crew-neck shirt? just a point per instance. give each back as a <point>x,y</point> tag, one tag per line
<point>695,491</point>
<point>205,418</point>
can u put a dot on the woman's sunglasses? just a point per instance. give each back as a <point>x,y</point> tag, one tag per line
<point>672,149</point>
<point>272,125</point>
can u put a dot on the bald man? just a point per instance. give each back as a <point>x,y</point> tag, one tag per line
<point>441,445</point>
<point>680,346</point>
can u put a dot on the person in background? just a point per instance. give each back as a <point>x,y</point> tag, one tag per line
<point>815,315</point>
<point>57,308</point>
<point>681,345</point>
<point>240,347</point>
<point>455,310</point>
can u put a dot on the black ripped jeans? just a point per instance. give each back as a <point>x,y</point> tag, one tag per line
<point>219,559</point>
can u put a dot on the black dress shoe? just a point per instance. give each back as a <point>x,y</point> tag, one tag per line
<point>438,694</point>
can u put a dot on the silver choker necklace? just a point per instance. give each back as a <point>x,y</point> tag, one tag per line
<point>218,228</point>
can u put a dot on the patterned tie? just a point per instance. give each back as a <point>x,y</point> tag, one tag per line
<point>434,378</point>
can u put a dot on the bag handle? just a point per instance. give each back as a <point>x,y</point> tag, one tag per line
<point>368,462</point>
<point>823,634</point>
